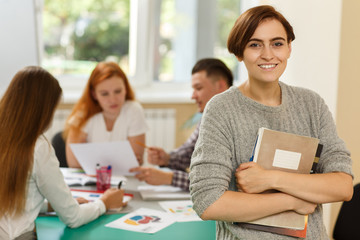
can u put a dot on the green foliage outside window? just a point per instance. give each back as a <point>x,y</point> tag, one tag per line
<point>78,34</point>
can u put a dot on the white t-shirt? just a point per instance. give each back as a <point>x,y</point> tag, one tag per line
<point>130,122</point>
<point>47,181</point>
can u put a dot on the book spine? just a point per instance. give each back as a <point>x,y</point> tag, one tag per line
<point>252,155</point>
<point>316,159</point>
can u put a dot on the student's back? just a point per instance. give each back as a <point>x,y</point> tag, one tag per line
<point>30,171</point>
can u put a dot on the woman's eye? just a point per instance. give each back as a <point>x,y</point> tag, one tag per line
<point>278,44</point>
<point>254,45</point>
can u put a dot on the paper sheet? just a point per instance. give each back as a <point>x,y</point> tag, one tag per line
<point>162,192</point>
<point>182,210</point>
<point>143,220</point>
<point>92,196</point>
<point>119,155</point>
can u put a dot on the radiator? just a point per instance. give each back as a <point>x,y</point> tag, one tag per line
<point>162,126</point>
<point>161,122</point>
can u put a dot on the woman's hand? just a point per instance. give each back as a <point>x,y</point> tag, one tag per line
<point>81,200</point>
<point>152,176</point>
<point>137,144</point>
<point>303,207</point>
<point>113,198</point>
<point>251,178</point>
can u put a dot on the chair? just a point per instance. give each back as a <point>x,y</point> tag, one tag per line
<point>348,222</point>
<point>59,145</point>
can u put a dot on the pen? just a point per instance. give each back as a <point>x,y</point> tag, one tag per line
<point>141,144</point>
<point>120,183</point>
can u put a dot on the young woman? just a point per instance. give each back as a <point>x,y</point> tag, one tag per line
<point>261,38</point>
<point>29,170</point>
<point>107,111</point>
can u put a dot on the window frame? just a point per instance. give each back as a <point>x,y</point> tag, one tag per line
<point>143,30</point>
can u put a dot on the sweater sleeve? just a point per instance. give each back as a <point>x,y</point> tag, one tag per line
<point>211,166</point>
<point>335,157</point>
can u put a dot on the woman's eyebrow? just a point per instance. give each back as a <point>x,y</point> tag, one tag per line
<point>260,40</point>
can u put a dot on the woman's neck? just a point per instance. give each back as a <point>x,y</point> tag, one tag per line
<point>268,94</point>
<point>110,120</point>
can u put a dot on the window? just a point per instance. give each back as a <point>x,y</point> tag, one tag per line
<point>187,30</point>
<point>78,34</point>
<point>156,42</point>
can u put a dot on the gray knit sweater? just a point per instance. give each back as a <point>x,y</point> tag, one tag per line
<point>227,135</point>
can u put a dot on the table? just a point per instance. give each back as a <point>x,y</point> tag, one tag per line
<point>50,227</point>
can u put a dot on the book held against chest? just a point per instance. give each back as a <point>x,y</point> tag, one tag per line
<point>288,152</point>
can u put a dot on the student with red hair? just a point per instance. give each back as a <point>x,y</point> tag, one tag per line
<point>107,111</point>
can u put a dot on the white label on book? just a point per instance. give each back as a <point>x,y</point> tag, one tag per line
<point>286,159</point>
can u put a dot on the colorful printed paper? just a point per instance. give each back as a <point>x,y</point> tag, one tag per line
<point>143,220</point>
<point>182,210</point>
<point>92,196</point>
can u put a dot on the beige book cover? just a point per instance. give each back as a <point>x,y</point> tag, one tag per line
<point>285,152</point>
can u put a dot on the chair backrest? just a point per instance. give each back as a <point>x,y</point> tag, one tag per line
<point>59,145</point>
<point>348,222</point>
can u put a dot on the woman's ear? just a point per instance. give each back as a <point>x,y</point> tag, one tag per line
<point>290,48</point>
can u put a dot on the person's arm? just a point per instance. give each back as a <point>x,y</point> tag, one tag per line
<point>137,148</point>
<point>51,185</point>
<point>242,207</point>
<point>157,156</point>
<point>180,158</point>
<point>180,179</point>
<point>210,176</point>
<point>136,128</point>
<point>316,188</point>
<point>152,176</point>
<point>70,157</point>
<point>155,176</point>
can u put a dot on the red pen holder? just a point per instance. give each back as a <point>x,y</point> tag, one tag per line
<point>103,178</point>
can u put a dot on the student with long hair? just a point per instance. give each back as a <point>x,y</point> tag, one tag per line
<point>107,111</point>
<point>29,170</point>
<point>228,188</point>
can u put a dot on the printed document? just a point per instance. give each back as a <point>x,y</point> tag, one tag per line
<point>119,155</point>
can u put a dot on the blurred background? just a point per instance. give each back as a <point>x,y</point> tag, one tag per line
<point>157,42</point>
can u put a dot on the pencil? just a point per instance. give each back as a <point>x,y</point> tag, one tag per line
<point>141,144</point>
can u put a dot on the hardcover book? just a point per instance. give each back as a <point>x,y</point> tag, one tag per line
<point>291,153</point>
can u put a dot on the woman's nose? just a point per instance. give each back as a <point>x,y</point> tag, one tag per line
<point>267,53</point>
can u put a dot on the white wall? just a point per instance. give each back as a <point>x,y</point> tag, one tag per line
<point>18,44</point>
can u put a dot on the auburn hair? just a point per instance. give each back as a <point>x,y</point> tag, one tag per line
<point>26,111</point>
<point>247,23</point>
<point>88,106</point>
